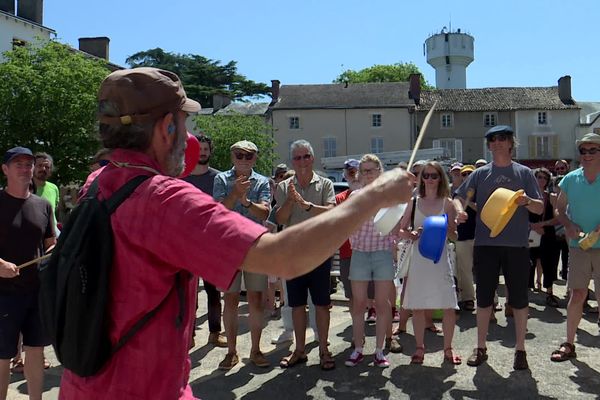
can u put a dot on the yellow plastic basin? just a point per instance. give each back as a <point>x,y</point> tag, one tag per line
<point>499,209</point>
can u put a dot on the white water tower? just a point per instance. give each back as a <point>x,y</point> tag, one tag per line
<point>449,53</point>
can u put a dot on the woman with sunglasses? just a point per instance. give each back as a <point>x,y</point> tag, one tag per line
<point>544,258</point>
<point>371,261</point>
<point>431,286</point>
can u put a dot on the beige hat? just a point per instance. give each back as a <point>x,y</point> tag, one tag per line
<point>245,145</point>
<point>591,138</point>
<point>481,161</point>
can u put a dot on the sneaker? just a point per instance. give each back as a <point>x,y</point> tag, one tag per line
<point>371,316</point>
<point>355,358</point>
<point>217,339</point>
<point>259,359</point>
<point>393,345</point>
<point>286,336</point>
<point>395,315</point>
<point>230,360</point>
<point>381,361</point>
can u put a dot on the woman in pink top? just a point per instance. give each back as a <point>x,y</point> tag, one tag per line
<point>371,260</point>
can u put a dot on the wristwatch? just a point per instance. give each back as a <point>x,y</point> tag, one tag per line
<point>310,206</point>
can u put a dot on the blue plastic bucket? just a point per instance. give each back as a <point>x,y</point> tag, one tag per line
<point>433,237</point>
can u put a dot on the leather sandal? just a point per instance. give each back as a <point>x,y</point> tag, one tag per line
<point>419,355</point>
<point>292,360</point>
<point>562,355</point>
<point>451,357</point>
<point>17,366</point>
<point>327,362</point>
<point>478,357</point>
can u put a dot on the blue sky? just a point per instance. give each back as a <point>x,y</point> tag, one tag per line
<point>517,43</point>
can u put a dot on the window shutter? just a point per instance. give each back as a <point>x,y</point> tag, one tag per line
<point>532,147</point>
<point>555,146</point>
<point>458,149</point>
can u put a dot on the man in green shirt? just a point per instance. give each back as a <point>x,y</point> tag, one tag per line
<point>41,173</point>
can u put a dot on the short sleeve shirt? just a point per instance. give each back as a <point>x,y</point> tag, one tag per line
<point>484,181</point>
<point>154,230</point>
<point>583,198</point>
<point>319,191</point>
<point>259,191</point>
<point>205,181</point>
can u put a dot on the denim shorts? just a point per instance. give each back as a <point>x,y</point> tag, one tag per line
<point>372,266</point>
<point>20,314</point>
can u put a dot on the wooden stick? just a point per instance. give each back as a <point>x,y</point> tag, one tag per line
<point>35,260</point>
<point>420,137</point>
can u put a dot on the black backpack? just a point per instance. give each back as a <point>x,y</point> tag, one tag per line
<point>75,285</point>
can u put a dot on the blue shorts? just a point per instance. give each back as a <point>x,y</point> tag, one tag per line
<point>20,314</point>
<point>372,266</point>
<point>318,281</point>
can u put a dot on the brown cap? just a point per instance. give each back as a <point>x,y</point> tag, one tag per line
<point>244,145</point>
<point>143,94</point>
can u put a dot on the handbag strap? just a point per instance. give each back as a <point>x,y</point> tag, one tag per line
<point>412,213</point>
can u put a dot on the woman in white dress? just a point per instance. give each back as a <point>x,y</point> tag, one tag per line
<point>430,286</point>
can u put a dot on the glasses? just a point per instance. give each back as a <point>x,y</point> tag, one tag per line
<point>368,171</point>
<point>560,168</point>
<point>307,156</point>
<point>501,138</point>
<point>103,163</point>
<point>591,151</point>
<point>465,174</point>
<point>247,156</point>
<point>432,175</point>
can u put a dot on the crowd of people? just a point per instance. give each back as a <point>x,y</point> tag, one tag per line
<point>266,235</point>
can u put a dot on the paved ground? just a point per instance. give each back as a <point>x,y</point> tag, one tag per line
<point>433,380</point>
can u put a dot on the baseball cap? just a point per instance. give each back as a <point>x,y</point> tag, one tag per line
<point>143,94</point>
<point>591,138</point>
<point>16,151</point>
<point>281,168</point>
<point>467,168</point>
<point>244,145</point>
<point>456,166</point>
<point>481,161</point>
<point>351,163</point>
<point>498,129</point>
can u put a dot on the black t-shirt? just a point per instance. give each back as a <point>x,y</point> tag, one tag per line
<point>466,230</point>
<point>24,224</point>
<point>205,181</point>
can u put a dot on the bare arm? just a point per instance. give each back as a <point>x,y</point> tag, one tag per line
<point>451,211</point>
<point>301,248</point>
<point>572,230</point>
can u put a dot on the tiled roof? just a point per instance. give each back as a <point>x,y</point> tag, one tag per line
<point>494,99</point>
<point>244,109</point>
<point>338,95</point>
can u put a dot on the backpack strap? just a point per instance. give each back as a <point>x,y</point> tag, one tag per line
<point>123,193</point>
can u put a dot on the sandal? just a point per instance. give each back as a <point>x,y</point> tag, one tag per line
<point>451,357</point>
<point>469,305</point>
<point>292,360</point>
<point>327,361</point>
<point>434,329</point>
<point>562,355</point>
<point>17,365</point>
<point>552,301</point>
<point>398,332</point>
<point>478,357</point>
<point>419,355</point>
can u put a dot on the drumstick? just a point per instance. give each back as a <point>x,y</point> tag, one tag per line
<point>420,137</point>
<point>36,260</point>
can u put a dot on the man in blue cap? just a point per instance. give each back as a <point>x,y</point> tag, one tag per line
<point>508,251</point>
<point>26,228</point>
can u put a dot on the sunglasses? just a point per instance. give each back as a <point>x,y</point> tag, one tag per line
<point>465,174</point>
<point>103,163</point>
<point>560,168</point>
<point>307,156</point>
<point>432,175</point>
<point>247,156</point>
<point>592,151</point>
<point>501,138</point>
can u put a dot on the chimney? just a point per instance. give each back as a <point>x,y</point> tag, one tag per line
<point>7,6</point>
<point>274,91</point>
<point>96,46</point>
<point>32,10</point>
<point>414,89</point>
<point>564,90</point>
<point>220,101</point>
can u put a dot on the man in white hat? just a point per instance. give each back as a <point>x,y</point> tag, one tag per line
<point>508,251</point>
<point>579,193</point>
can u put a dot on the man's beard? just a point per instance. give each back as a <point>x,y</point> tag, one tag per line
<point>176,159</point>
<point>41,176</point>
<point>204,162</point>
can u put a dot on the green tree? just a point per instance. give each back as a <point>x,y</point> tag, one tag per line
<point>49,102</point>
<point>225,130</point>
<point>201,77</point>
<point>398,72</point>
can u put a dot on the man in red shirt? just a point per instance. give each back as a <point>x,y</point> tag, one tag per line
<point>142,115</point>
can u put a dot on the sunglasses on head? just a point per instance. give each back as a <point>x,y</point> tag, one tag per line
<point>432,175</point>
<point>593,150</point>
<point>501,138</point>
<point>307,156</point>
<point>247,156</point>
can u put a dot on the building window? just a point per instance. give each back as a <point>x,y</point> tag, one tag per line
<point>542,118</point>
<point>447,121</point>
<point>329,147</point>
<point>294,122</point>
<point>543,147</point>
<point>452,147</point>
<point>18,43</point>
<point>490,119</point>
<point>376,120</point>
<point>377,145</point>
